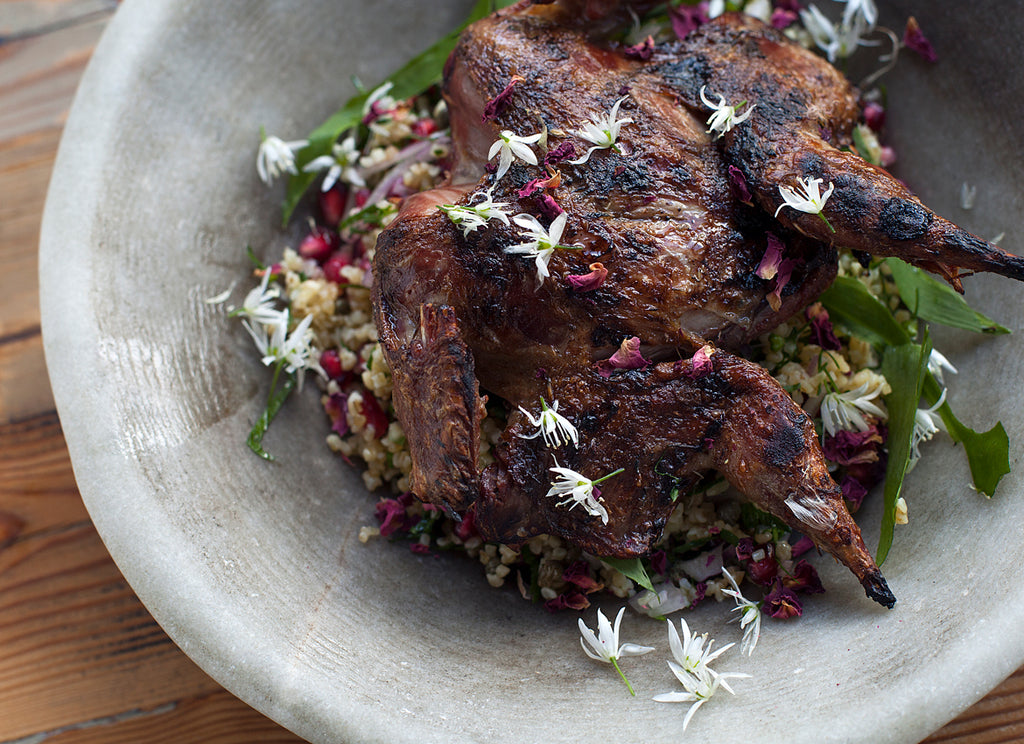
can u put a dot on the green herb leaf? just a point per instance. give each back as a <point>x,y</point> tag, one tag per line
<point>632,568</point>
<point>275,400</point>
<point>850,304</point>
<point>412,79</point>
<point>934,300</point>
<point>905,367</point>
<point>988,453</point>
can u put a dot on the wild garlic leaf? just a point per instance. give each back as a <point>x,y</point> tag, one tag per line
<point>905,367</point>
<point>988,452</point>
<point>850,304</point>
<point>412,79</point>
<point>275,400</point>
<point>936,301</point>
<point>631,568</point>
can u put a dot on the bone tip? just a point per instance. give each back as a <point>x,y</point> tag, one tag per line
<point>876,588</point>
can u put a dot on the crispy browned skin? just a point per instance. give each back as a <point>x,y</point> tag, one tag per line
<point>458,315</point>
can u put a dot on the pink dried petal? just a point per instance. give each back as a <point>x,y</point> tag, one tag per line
<point>466,529</point>
<point>375,415</point>
<point>588,282</point>
<point>854,447</point>
<point>578,574</point>
<point>659,562</point>
<point>551,182</point>
<point>549,207</point>
<point>853,492</point>
<point>567,601</point>
<point>701,363</point>
<point>337,409</point>
<point>496,106</point>
<point>564,151</point>
<point>914,38</point>
<point>769,266</point>
<point>801,546</point>
<point>688,18</point>
<point>628,356</point>
<point>643,50</point>
<point>822,332</point>
<point>804,579</point>
<point>782,603</point>
<point>391,515</point>
<point>420,548</point>
<point>738,185</point>
<point>783,18</point>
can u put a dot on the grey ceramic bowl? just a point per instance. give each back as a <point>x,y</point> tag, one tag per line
<point>255,569</point>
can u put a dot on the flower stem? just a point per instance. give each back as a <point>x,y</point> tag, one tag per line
<point>825,220</point>
<point>604,478</point>
<point>615,663</point>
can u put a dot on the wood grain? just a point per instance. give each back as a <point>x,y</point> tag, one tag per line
<point>81,660</point>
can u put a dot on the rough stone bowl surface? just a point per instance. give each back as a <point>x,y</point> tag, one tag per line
<point>255,569</point>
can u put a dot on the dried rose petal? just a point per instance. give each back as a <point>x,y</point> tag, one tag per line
<point>853,491</point>
<point>738,184</point>
<point>659,562</point>
<point>564,151</point>
<point>782,603</point>
<point>466,529</point>
<point>804,579</point>
<point>375,415</point>
<point>783,18</point>
<point>822,332</point>
<point>589,282</point>
<point>854,447</point>
<point>391,515</point>
<point>643,50</point>
<point>701,362</point>
<point>801,546</point>
<point>567,601</point>
<point>494,107</point>
<point>769,266</point>
<point>549,207</point>
<point>336,408</point>
<point>874,115</point>
<point>688,18</point>
<point>419,548</point>
<point>627,357</point>
<point>578,574</point>
<point>914,38</point>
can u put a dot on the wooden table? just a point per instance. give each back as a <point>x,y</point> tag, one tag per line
<point>81,660</point>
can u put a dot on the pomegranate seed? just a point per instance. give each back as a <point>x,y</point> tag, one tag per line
<point>874,116</point>
<point>332,205</point>
<point>333,267</point>
<point>330,363</point>
<point>319,244</point>
<point>424,127</point>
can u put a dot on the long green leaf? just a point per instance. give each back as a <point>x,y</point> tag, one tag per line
<point>275,400</point>
<point>412,79</point>
<point>933,300</point>
<point>850,304</point>
<point>988,453</point>
<point>632,568</point>
<point>905,367</point>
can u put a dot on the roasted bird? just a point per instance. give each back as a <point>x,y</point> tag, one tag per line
<point>654,287</point>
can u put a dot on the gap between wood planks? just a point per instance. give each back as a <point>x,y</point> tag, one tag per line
<point>127,715</point>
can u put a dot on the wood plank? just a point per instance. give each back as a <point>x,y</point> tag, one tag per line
<point>23,17</point>
<point>77,644</point>
<point>996,719</point>
<point>25,165</point>
<point>22,366</point>
<point>218,718</point>
<point>39,74</point>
